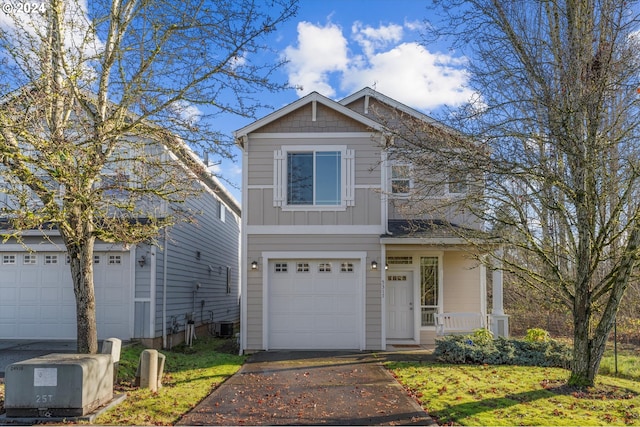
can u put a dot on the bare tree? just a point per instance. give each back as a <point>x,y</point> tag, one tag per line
<point>100,104</point>
<point>555,131</point>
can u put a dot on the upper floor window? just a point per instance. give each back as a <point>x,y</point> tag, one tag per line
<point>308,178</point>
<point>400,179</point>
<point>314,178</point>
<point>458,184</point>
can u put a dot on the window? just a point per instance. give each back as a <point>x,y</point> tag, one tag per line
<point>457,184</point>
<point>29,259</point>
<point>324,267</point>
<point>346,267</point>
<point>51,259</point>
<point>428,290</point>
<point>314,178</point>
<point>307,178</point>
<point>399,260</point>
<point>8,259</point>
<point>222,211</point>
<point>281,267</point>
<point>400,179</point>
<point>115,184</point>
<point>96,259</point>
<point>302,267</point>
<point>115,259</point>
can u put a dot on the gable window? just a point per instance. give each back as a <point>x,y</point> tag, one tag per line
<point>311,178</point>
<point>400,179</point>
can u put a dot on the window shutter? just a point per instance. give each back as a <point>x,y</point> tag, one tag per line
<point>350,181</point>
<point>278,178</point>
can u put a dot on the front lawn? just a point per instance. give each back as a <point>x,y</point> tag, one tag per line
<point>515,395</point>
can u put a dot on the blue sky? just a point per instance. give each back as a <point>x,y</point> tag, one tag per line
<point>337,47</point>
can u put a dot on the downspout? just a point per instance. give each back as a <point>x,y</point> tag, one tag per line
<point>165,254</point>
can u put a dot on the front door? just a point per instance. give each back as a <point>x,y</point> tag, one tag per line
<point>400,314</point>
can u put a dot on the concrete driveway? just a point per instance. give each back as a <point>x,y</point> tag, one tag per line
<point>309,388</point>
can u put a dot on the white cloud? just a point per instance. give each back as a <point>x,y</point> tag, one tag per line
<point>378,58</point>
<point>320,51</point>
<point>413,75</point>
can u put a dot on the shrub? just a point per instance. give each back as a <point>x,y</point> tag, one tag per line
<point>502,351</point>
<point>536,335</point>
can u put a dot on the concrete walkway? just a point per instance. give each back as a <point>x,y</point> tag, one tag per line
<point>309,388</point>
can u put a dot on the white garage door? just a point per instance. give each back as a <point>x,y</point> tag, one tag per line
<point>37,299</point>
<point>314,304</point>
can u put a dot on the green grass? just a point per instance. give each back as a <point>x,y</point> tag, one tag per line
<point>190,375</point>
<point>628,364</point>
<point>513,395</point>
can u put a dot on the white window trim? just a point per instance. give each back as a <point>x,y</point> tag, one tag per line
<point>347,177</point>
<point>411,182</point>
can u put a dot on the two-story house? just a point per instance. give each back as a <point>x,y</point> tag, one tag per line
<point>329,260</point>
<point>150,292</point>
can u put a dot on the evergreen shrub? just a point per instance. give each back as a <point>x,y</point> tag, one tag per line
<point>461,349</point>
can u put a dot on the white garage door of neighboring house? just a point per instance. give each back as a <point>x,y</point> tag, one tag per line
<point>37,299</point>
<point>314,304</point>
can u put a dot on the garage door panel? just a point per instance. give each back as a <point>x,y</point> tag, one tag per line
<point>314,309</point>
<point>37,301</point>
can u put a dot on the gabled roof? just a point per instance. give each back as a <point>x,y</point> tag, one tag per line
<point>367,91</point>
<point>308,99</point>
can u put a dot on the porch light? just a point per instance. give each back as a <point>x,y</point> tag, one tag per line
<point>386,266</point>
<point>254,265</point>
<point>374,265</point>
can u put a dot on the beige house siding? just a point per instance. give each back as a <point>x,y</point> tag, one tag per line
<point>462,279</point>
<point>367,208</point>
<point>301,120</point>
<point>258,244</point>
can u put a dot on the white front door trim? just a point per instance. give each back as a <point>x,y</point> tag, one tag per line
<point>267,256</point>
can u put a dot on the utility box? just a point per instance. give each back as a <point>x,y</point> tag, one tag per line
<point>223,329</point>
<point>58,385</point>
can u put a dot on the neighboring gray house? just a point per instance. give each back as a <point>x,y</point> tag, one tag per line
<point>328,261</point>
<point>142,291</point>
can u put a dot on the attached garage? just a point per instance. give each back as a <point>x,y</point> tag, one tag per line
<point>37,299</point>
<point>314,304</point>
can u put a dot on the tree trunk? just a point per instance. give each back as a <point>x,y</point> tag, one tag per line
<point>79,241</point>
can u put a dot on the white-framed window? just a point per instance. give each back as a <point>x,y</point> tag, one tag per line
<point>457,184</point>
<point>314,178</point>
<point>302,267</point>
<point>29,259</point>
<point>8,259</point>
<point>51,259</point>
<point>222,211</point>
<point>324,267</point>
<point>115,259</point>
<point>115,184</point>
<point>346,267</point>
<point>281,267</point>
<point>96,259</point>
<point>401,182</point>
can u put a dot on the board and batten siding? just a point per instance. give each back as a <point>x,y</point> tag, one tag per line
<point>301,244</point>
<point>260,188</point>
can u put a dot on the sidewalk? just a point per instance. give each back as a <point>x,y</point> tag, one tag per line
<point>309,388</point>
